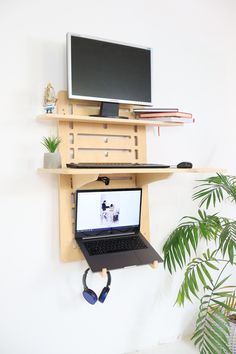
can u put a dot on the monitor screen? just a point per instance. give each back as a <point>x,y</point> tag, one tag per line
<point>108,71</point>
<point>107,210</point>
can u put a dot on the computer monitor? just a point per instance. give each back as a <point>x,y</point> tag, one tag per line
<point>102,212</point>
<point>108,71</point>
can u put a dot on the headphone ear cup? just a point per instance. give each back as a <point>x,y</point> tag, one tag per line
<point>103,294</point>
<point>90,296</point>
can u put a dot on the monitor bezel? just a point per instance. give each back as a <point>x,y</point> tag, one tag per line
<point>107,231</point>
<point>102,99</point>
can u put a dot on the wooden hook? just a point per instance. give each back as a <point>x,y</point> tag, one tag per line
<point>104,272</point>
<point>154,264</point>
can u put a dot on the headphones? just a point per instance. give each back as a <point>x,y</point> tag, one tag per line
<point>90,296</point>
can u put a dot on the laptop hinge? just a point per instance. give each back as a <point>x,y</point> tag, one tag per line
<point>108,236</point>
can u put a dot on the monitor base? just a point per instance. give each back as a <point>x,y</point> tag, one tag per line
<point>109,110</point>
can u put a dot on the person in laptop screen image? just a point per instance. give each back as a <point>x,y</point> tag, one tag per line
<point>110,213</point>
<point>104,206</point>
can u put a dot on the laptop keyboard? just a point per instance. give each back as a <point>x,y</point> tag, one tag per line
<point>97,247</point>
<point>114,165</point>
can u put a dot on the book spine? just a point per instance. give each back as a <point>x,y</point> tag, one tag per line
<point>165,114</point>
<point>155,110</point>
<point>171,119</point>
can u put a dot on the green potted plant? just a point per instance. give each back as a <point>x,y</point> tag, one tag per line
<point>52,158</point>
<point>207,276</point>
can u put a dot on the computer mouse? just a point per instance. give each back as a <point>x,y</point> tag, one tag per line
<point>185,165</point>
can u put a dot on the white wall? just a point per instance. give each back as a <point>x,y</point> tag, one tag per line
<point>41,308</point>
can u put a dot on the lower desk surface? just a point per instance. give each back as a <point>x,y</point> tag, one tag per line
<point>91,171</point>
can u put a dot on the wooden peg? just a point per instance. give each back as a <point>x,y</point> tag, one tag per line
<point>104,272</point>
<point>154,264</point>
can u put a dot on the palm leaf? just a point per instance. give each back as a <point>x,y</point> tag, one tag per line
<point>227,240</point>
<point>215,189</point>
<point>197,274</point>
<point>231,302</point>
<point>212,328</point>
<point>185,238</point>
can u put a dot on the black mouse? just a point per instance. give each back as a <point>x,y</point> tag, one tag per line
<point>185,165</point>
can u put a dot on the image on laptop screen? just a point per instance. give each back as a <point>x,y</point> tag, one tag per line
<point>101,210</point>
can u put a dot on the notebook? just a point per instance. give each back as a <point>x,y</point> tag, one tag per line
<point>107,229</point>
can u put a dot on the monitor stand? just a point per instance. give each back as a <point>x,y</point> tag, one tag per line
<point>109,110</point>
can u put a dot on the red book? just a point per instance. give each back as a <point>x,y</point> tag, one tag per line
<point>171,119</point>
<point>165,114</point>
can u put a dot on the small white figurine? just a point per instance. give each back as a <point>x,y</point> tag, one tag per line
<point>49,99</point>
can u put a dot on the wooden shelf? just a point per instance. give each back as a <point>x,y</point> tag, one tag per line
<point>88,119</point>
<point>95,171</point>
<point>142,176</point>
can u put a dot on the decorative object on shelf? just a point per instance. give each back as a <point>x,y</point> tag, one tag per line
<point>211,271</point>
<point>52,159</point>
<point>49,99</point>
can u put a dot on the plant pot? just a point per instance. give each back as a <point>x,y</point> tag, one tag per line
<point>52,160</point>
<point>232,339</point>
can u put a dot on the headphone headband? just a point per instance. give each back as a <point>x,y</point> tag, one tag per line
<point>85,277</point>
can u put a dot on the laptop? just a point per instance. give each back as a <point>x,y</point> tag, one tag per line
<point>107,229</point>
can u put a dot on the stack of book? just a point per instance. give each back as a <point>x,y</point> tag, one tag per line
<point>164,115</point>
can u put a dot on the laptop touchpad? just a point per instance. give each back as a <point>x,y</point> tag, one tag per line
<point>117,260</point>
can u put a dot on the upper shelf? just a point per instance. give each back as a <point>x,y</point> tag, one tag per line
<point>88,119</point>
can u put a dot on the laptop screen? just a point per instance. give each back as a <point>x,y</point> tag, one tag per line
<point>107,211</point>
